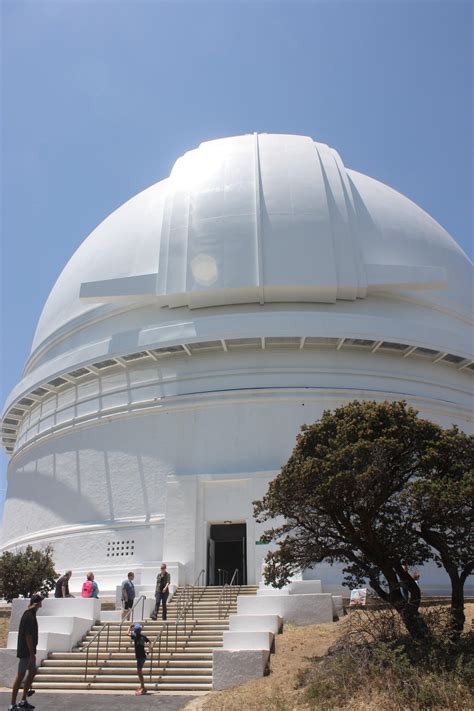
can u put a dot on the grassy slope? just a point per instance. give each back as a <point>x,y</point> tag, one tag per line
<point>279,691</point>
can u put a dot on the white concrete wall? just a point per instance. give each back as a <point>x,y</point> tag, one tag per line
<point>253,639</point>
<point>255,623</point>
<point>235,667</point>
<point>298,609</point>
<point>62,623</point>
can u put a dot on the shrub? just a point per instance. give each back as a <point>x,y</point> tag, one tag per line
<point>375,659</point>
<point>26,572</point>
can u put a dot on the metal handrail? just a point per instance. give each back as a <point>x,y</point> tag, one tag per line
<point>131,611</point>
<point>182,613</point>
<point>197,584</point>
<point>98,634</point>
<point>220,602</point>
<point>225,598</point>
<point>96,637</point>
<point>222,575</point>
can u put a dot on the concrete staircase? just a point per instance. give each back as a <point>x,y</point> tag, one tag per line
<point>185,666</point>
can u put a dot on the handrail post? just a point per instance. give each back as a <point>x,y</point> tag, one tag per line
<point>87,663</point>
<point>97,653</point>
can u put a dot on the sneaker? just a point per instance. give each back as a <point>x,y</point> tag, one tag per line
<point>25,705</point>
<point>12,707</point>
<point>140,691</point>
<point>31,692</point>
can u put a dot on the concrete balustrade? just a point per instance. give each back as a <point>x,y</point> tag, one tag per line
<point>248,640</point>
<point>263,592</point>
<point>337,605</point>
<point>234,667</point>
<point>300,609</point>
<point>47,642</point>
<point>62,623</point>
<point>255,623</point>
<point>305,587</point>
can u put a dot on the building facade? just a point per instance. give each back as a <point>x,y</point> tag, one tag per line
<point>198,327</point>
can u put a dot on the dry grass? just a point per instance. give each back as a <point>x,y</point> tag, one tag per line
<point>4,624</point>
<point>282,689</point>
<point>277,691</point>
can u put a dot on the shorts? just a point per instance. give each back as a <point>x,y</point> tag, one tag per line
<point>127,604</point>
<point>25,664</point>
<point>141,663</point>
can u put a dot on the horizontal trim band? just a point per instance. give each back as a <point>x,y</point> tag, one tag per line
<point>84,529</point>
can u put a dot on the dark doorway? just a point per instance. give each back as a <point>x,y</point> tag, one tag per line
<point>227,552</point>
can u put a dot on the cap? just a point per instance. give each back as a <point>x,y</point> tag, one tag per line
<point>36,598</point>
<point>137,628</point>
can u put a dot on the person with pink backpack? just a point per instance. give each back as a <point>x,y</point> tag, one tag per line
<point>90,587</point>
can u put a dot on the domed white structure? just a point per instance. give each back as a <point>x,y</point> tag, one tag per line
<point>198,327</point>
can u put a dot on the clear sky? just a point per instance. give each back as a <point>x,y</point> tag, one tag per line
<point>100,98</point>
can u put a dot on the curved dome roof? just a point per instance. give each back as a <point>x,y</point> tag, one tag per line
<point>256,219</point>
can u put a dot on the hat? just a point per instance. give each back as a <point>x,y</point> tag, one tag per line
<point>137,628</point>
<point>34,599</point>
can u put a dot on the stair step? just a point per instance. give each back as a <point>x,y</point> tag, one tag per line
<point>119,673</point>
<point>125,678</point>
<point>101,686</point>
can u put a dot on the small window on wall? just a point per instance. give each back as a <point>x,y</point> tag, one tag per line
<point>116,549</point>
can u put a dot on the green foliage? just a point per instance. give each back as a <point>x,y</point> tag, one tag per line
<point>370,485</point>
<point>27,572</point>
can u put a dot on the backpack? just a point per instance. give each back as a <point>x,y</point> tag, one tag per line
<point>87,588</point>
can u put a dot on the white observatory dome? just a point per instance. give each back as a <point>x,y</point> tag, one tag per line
<point>198,327</point>
<point>257,219</point>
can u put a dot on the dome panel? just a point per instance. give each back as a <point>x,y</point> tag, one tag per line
<point>255,219</point>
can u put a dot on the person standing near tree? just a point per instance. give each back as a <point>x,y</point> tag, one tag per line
<point>26,652</point>
<point>62,585</point>
<point>162,592</point>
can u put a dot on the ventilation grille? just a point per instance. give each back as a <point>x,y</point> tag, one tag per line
<point>119,549</point>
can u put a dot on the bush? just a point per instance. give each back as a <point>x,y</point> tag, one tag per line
<point>375,659</point>
<point>27,572</point>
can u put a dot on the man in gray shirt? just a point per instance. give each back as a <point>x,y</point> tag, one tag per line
<point>128,594</point>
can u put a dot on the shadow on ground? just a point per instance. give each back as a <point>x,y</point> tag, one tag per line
<point>106,702</point>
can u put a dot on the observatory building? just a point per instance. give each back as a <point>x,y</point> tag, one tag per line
<point>193,333</point>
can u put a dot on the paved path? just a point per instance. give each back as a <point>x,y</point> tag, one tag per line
<point>107,702</point>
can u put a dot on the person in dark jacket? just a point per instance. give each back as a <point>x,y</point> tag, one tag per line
<point>62,585</point>
<point>26,653</point>
<point>162,592</point>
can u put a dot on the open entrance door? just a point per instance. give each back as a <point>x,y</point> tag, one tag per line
<point>227,551</point>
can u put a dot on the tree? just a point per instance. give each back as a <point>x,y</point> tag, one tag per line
<point>26,572</point>
<point>344,498</point>
<point>441,499</point>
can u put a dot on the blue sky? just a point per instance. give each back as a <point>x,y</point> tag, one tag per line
<point>99,98</point>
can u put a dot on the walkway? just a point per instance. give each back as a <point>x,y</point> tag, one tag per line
<point>104,702</point>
